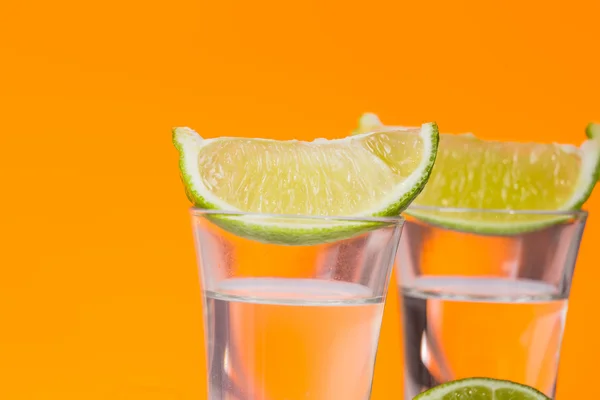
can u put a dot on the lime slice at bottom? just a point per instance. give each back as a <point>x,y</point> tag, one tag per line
<point>482,389</point>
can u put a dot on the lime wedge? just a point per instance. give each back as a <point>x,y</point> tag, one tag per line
<point>491,175</point>
<point>376,174</point>
<point>481,389</point>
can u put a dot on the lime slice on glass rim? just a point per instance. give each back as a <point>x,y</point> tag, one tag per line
<point>481,389</point>
<point>471,174</point>
<point>369,175</point>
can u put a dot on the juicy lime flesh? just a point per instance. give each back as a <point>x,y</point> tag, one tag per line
<point>471,173</point>
<point>317,178</point>
<point>511,394</point>
<point>481,389</point>
<point>470,393</point>
<point>484,393</point>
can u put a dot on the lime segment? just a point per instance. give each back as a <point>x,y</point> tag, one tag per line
<point>375,174</point>
<point>481,389</point>
<point>480,174</point>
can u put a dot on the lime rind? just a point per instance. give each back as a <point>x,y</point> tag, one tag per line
<point>292,231</point>
<point>439,392</point>
<point>589,174</point>
<point>511,223</point>
<point>185,139</point>
<point>592,131</point>
<point>299,231</point>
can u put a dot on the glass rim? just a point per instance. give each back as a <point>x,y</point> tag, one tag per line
<point>198,212</point>
<point>458,210</point>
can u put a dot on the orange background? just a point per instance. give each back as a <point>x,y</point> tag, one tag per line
<point>98,288</point>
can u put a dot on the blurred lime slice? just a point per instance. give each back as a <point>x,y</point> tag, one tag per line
<point>593,130</point>
<point>376,174</point>
<point>472,173</point>
<point>481,389</point>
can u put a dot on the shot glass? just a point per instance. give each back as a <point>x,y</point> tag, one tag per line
<point>485,305</point>
<point>292,321</point>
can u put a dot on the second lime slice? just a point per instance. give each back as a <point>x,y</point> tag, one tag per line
<point>476,174</point>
